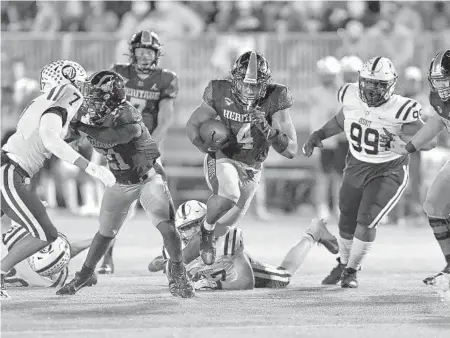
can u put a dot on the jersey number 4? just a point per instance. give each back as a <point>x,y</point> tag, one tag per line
<point>364,139</point>
<point>244,136</point>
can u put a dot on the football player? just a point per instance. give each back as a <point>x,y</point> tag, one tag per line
<point>151,90</point>
<point>437,202</point>
<point>46,268</point>
<point>115,129</point>
<point>256,113</point>
<point>374,177</point>
<point>39,134</point>
<point>234,268</point>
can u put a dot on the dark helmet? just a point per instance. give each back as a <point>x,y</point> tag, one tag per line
<point>439,74</point>
<point>249,78</point>
<point>106,91</point>
<point>149,53</point>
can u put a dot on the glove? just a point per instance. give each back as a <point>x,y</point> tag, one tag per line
<point>101,173</point>
<point>314,140</point>
<point>259,120</point>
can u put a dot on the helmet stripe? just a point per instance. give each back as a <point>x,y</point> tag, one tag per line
<point>375,63</point>
<point>146,37</point>
<point>437,64</point>
<point>183,210</point>
<point>252,69</point>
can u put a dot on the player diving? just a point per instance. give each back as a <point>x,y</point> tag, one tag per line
<point>234,268</point>
<point>115,129</point>
<point>151,90</point>
<point>375,176</point>
<point>255,113</point>
<point>39,134</point>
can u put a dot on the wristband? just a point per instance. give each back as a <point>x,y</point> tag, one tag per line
<point>410,148</point>
<point>81,163</point>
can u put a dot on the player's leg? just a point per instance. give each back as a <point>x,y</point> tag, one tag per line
<point>157,202</point>
<point>350,196</point>
<point>437,208</point>
<point>269,276</point>
<point>116,205</point>
<point>380,196</point>
<point>24,207</point>
<point>223,180</point>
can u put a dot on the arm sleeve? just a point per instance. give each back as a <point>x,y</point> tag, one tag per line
<point>342,91</point>
<point>285,99</point>
<point>121,134</point>
<point>410,111</point>
<point>50,130</point>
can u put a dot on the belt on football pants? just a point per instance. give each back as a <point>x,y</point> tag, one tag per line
<point>5,159</point>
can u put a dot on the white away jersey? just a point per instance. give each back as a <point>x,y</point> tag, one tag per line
<point>25,145</point>
<point>22,275</point>
<point>363,125</point>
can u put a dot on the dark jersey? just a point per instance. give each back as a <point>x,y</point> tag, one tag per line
<point>145,93</point>
<point>128,161</point>
<point>248,143</point>
<point>442,108</point>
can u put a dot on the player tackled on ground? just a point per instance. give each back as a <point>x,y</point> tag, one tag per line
<point>437,202</point>
<point>234,268</point>
<point>115,129</point>
<point>40,133</point>
<point>256,114</point>
<point>374,177</point>
<point>151,90</point>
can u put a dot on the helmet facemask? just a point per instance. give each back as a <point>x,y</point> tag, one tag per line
<point>146,59</point>
<point>189,229</point>
<point>375,92</point>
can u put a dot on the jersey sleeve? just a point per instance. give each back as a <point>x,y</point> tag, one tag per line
<point>122,69</point>
<point>208,94</point>
<point>285,99</point>
<point>127,114</point>
<point>66,99</point>
<point>170,90</point>
<point>343,92</point>
<point>409,111</point>
<point>233,242</point>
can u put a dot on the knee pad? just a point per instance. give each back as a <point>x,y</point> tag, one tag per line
<point>347,228</point>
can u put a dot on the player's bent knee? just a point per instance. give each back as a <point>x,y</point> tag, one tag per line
<point>108,232</point>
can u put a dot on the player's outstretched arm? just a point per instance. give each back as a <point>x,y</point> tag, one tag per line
<point>106,134</point>
<point>285,139</point>
<point>203,113</point>
<point>423,138</point>
<point>333,127</point>
<point>165,117</point>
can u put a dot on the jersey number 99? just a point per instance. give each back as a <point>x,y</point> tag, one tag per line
<point>364,139</point>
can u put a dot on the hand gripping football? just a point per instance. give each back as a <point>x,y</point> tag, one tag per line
<point>214,132</point>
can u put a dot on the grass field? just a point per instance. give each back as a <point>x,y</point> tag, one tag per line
<point>390,302</point>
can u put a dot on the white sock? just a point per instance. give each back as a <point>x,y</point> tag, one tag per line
<point>208,226</point>
<point>358,252</point>
<point>345,245</point>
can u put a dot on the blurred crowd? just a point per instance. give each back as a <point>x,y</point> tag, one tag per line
<point>364,29</point>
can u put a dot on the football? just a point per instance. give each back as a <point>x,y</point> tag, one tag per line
<point>214,132</point>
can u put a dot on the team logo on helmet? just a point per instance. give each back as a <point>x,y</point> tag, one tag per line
<point>69,72</point>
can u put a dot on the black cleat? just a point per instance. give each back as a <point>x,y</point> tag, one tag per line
<point>348,279</point>
<point>207,246</point>
<point>335,275</point>
<point>76,284</point>
<point>179,283</point>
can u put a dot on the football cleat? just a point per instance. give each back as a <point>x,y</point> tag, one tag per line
<point>348,279</point>
<point>432,279</point>
<point>3,293</point>
<point>179,283</point>
<point>157,264</point>
<point>207,246</point>
<point>106,269</point>
<point>77,283</point>
<point>320,233</point>
<point>335,275</point>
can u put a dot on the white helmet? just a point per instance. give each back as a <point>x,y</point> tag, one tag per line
<point>189,217</point>
<point>328,65</point>
<point>350,66</point>
<point>52,259</point>
<point>377,80</point>
<point>62,72</point>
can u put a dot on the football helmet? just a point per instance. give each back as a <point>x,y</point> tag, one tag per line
<point>106,91</point>
<point>51,259</point>
<point>249,78</point>
<point>439,74</point>
<point>189,217</point>
<point>377,80</point>
<point>350,66</point>
<point>61,72</point>
<point>145,50</point>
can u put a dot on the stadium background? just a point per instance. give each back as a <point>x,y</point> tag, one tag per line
<point>201,39</point>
